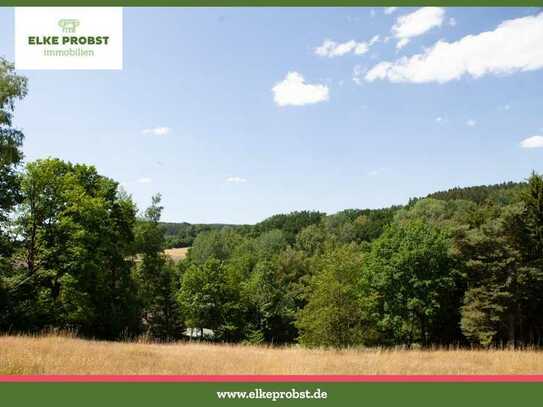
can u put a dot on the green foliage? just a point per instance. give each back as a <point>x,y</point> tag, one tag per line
<point>270,243</point>
<point>76,231</point>
<point>358,225</point>
<point>291,224</point>
<point>503,194</point>
<point>274,293</point>
<point>532,197</point>
<point>493,267</point>
<point>217,244</point>
<point>448,215</point>
<point>202,295</point>
<point>183,234</point>
<point>482,315</point>
<point>311,239</point>
<point>409,273</point>
<point>157,278</point>
<point>503,262</point>
<point>12,87</point>
<point>333,315</point>
<point>463,265</point>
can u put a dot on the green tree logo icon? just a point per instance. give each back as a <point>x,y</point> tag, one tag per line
<point>68,25</point>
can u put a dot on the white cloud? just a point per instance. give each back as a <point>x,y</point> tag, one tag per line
<point>439,119</point>
<point>373,173</point>
<point>236,180</point>
<point>452,22</point>
<point>358,74</point>
<point>293,91</point>
<point>156,131</point>
<point>145,180</point>
<point>471,123</point>
<point>390,10</point>
<point>402,43</point>
<point>417,23</point>
<point>532,142</point>
<point>361,48</point>
<point>332,49</point>
<point>514,46</point>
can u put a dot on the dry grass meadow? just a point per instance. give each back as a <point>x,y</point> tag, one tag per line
<point>20,355</point>
<point>177,254</point>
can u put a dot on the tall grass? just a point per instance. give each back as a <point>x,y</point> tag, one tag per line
<point>62,353</point>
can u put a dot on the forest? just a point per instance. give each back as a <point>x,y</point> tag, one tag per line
<point>462,267</point>
<point>179,235</point>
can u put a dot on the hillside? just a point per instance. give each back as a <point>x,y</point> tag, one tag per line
<point>480,193</point>
<point>179,235</point>
<point>182,234</point>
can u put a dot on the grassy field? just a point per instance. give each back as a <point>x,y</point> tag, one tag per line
<point>177,254</point>
<point>65,355</point>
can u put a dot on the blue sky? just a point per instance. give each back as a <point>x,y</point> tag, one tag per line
<point>194,114</point>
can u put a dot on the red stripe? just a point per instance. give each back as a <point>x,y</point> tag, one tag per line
<point>273,379</point>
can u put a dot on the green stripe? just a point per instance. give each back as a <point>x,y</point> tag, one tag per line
<point>204,394</point>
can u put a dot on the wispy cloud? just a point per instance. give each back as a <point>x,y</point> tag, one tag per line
<point>332,49</point>
<point>156,131</point>
<point>236,180</point>
<point>144,180</point>
<point>471,123</point>
<point>532,142</point>
<point>514,46</point>
<point>358,74</point>
<point>417,23</point>
<point>293,91</point>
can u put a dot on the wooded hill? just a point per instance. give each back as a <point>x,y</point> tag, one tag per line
<point>183,234</point>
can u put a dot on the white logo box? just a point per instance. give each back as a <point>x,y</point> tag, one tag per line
<point>69,38</point>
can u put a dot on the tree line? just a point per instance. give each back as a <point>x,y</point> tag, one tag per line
<point>459,267</point>
<point>179,235</point>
